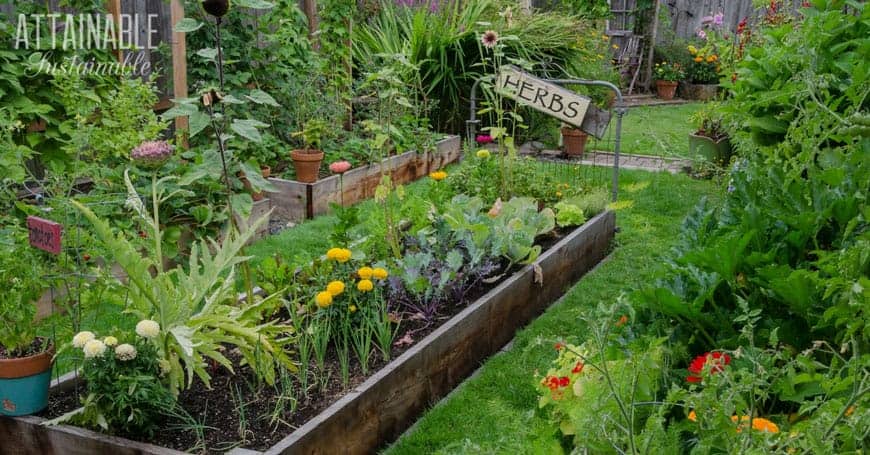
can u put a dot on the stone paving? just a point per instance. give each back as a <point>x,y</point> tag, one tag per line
<point>600,158</point>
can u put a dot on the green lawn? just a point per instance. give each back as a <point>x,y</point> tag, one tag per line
<point>653,130</point>
<point>496,411</point>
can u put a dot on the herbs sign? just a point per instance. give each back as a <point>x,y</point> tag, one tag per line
<point>548,98</point>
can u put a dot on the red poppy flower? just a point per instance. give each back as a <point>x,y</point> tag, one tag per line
<point>578,368</point>
<point>622,321</point>
<point>718,361</point>
<point>559,346</point>
<point>564,381</point>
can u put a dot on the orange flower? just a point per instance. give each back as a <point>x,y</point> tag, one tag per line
<point>758,424</point>
<point>692,416</point>
<point>622,321</point>
<point>699,59</point>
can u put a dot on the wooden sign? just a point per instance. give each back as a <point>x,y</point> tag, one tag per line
<point>552,100</point>
<point>44,234</point>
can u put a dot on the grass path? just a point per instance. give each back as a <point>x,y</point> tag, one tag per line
<point>654,130</point>
<point>496,411</point>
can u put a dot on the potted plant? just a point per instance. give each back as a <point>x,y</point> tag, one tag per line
<point>710,140</point>
<point>702,76</point>
<point>667,77</point>
<point>25,359</point>
<point>307,159</point>
<point>573,140</point>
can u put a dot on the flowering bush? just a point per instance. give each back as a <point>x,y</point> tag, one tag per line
<point>671,72</point>
<point>703,68</point>
<point>125,383</point>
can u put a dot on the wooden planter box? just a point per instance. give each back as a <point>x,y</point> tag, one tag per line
<point>381,408</point>
<point>296,201</point>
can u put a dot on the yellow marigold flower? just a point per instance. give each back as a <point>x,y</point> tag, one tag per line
<point>352,308</point>
<point>365,273</point>
<point>323,299</point>
<point>605,37</point>
<point>380,273</point>
<point>711,59</point>
<point>438,176</point>
<point>110,341</point>
<point>616,46</point>
<point>849,411</point>
<point>483,154</point>
<point>335,287</point>
<point>339,254</point>
<point>693,50</point>
<point>699,59</point>
<point>558,194</point>
<point>365,285</point>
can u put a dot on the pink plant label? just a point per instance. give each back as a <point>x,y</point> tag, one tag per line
<point>44,234</point>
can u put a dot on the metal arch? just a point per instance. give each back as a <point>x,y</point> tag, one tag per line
<point>620,109</point>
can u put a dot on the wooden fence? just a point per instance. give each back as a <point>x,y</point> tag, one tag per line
<point>686,16</point>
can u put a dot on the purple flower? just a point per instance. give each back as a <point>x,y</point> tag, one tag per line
<point>151,154</point>
<point>489,39</point>
<point>718,19</point>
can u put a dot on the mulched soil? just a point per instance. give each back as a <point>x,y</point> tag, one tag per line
<point>239,412</point>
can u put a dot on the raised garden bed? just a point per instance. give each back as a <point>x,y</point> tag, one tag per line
<point>377,411</point>
<point>296,201</point>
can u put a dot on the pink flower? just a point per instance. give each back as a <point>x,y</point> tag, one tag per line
<point>151,154</point>
<point>483,139</point>
<point>339,167</point>
<point>702,34</point>
<point>718,19</point>
<point>489,39</point>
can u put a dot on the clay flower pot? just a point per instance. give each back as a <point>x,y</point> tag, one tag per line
<point>307,164</point>
<point>574,141</point>
<point>24,383</point>
<point>666,89</point>
<point>266,171</point>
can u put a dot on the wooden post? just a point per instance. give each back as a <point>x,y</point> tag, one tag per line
<point>114,8</point>
<point>652,45</point>
<point>310,9</point>
<point>179,63</point>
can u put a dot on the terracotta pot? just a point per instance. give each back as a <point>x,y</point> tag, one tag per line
<point>307,164</point>
<point>24,383</point>
<point>247,184</point>
<point>574,141</point>
<point>266,171</point>
<point>666,89</point>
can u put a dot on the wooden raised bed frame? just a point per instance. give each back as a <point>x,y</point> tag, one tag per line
<point>296,201</point>
<point>376,412</point>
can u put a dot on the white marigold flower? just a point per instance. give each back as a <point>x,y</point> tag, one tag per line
<point>147,328</point>
<point>94,348</point>
<point>125,352</point>
<point>110,341</point>
<point>81,338</point>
